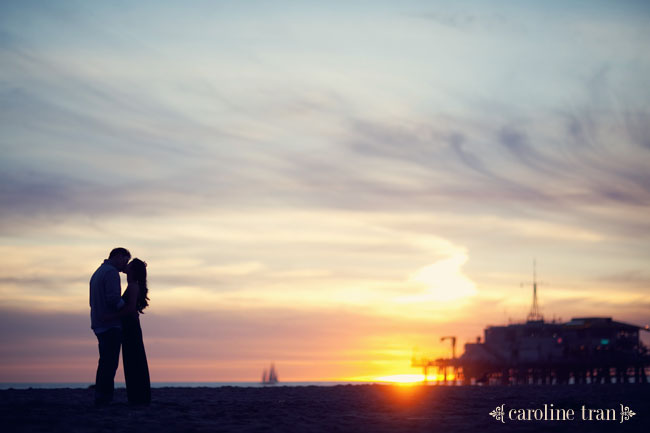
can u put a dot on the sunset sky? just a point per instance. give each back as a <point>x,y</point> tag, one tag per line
<point>323,185</point>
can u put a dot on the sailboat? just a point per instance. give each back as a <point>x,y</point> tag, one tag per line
<point>270,377</point>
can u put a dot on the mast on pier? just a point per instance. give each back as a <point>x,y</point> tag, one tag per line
<point>535,315</point>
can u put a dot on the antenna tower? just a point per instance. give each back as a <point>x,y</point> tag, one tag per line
<point>535,313</point>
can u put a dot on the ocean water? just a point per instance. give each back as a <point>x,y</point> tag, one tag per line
<point>83,385</point>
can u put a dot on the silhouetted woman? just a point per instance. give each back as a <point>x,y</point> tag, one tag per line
<point>134,358</point>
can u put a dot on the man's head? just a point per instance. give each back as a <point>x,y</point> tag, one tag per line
<point>120,258</point>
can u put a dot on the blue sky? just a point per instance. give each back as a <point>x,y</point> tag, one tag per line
<point>349,163</point>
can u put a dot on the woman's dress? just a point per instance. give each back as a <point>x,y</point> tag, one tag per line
<point>134,360</point>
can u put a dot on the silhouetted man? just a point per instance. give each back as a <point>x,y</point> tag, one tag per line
<point>105,299</point>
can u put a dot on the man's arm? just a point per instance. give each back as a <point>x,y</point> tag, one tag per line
<point>114,291</point>
<point>130,306</point>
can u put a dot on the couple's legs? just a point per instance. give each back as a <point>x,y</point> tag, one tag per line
<point>109,356</point>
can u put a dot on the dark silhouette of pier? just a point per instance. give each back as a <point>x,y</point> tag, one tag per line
<point>584,350</point>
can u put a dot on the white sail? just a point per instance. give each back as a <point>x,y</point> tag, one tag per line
<point>273,376</point>
<point>270,377</point>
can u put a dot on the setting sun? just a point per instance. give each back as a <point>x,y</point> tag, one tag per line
<point>402,378</point>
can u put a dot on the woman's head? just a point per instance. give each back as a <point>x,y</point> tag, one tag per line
<point>137,271</point>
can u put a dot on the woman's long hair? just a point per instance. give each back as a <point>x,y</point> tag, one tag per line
<point>139,269</point>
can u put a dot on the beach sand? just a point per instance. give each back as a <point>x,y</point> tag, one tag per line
<point>344,408</point>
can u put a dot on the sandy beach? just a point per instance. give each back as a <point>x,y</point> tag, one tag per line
<point>345,408</point>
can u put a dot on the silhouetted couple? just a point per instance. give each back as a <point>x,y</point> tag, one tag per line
<point>115,320</point>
